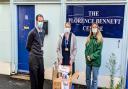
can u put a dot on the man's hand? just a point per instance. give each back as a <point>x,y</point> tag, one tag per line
<point>88,58</point>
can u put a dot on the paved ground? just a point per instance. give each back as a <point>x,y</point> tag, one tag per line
<point>9,83</point>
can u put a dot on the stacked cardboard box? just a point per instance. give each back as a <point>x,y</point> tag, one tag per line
<point>62,77</point>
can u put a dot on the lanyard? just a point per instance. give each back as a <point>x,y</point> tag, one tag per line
<point>66,43</point>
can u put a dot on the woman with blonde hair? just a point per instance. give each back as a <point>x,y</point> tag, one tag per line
<point>93,48</point>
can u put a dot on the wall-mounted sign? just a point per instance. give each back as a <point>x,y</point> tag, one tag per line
<point>109,17</point>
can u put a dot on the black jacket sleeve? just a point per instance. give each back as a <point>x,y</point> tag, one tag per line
<point>29,40</point>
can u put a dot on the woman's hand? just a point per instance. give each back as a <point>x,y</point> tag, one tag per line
<point>88,58</point>
<point>60,61</point>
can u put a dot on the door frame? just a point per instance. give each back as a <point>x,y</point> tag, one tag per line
<point>14,39</point>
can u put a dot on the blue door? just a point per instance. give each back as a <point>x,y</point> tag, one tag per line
<point>26,18</point>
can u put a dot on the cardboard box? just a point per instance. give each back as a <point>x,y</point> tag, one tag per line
<point>62,77</point>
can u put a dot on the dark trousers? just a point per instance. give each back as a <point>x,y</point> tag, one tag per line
<point>36,68</point>
<point>66,61</point>
<point>73,68</point>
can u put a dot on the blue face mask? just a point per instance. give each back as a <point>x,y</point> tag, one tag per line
<point>40,25</point>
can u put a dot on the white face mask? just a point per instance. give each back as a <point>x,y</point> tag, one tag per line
<point>94,30</point>
<point>67,30</point>
<point>40,25</point>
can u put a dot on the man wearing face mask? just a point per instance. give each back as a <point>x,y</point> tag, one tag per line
<point>35,47</point>
<point>67,48</point>
<point>93,48</point>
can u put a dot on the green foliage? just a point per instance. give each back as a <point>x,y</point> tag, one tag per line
<point>111,66</point>
<point>119,85</point>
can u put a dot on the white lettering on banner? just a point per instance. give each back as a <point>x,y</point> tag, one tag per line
<point>93,13</point>
<point>93,16</point>
<point>80,20</point>
<point>100,21</point>
<point>108,21</point>
<point>87,28</point>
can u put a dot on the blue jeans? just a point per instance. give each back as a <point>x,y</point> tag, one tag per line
<point>95,72</point>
